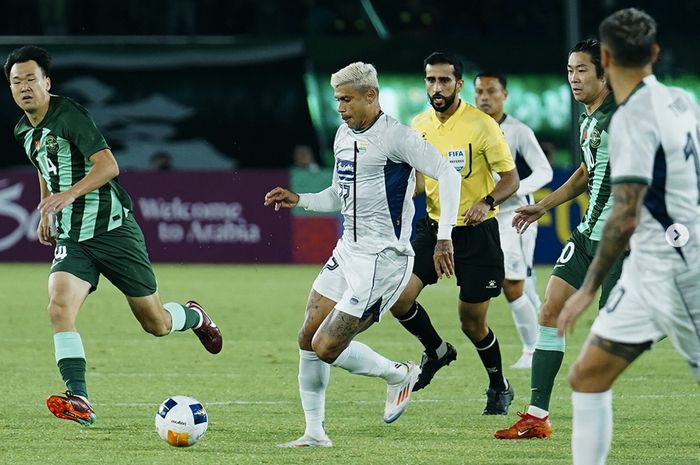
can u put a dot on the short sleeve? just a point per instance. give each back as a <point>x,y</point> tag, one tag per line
<point>634,141</point>
<point>495,148</point>
<point>82,131</point>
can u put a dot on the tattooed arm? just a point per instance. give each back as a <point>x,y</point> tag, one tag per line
<point>616,234</point>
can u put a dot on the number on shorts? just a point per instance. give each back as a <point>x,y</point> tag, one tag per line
<point>613,299</point>
<point>60,252</point>
<point>566,253</point>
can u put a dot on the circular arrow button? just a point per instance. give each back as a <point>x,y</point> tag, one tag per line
<point>677,235</point>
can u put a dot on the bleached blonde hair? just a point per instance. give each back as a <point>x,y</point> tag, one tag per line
<point>360,75</point>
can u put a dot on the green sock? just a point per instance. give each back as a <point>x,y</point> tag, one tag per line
<point>70,358</point>
<point>546,362</point>
<point>191,318</point>
<point>73,373</point>
<point>183,318</point>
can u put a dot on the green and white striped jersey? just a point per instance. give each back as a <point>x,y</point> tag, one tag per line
<point>594,145</point>
<point>60,147</point>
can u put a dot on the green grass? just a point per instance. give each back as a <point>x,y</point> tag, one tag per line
<point>250,389</point>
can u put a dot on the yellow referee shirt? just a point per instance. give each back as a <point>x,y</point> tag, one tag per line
<point>474,145</point>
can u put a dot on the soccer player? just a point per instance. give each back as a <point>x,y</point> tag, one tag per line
<point>655,173</point>
<point>373,186</point>
<point>589,86</point>
<point>474,145</point>
<point>86,215</point>
<point>534,170</point>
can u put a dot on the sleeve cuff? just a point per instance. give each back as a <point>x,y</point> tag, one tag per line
<point>630,180</point>
<point>444,232</point>
<point>303,201</point>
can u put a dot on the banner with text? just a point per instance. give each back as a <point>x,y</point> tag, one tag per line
<point>209,217</point>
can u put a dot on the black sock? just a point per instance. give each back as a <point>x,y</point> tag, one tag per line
<point>417,322</point>
<point>490,354</point>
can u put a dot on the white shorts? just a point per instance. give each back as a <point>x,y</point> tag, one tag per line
<point>518,249</point>
<point>648,304</point>
<point>364,284</point>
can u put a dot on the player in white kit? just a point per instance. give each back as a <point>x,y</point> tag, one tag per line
<point>655,158</point>
<point>373,185</point>
<point>490,92</point>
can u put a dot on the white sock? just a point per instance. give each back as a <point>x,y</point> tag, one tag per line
<point>592,427</point>
<point>359,359</point>
<point>525,318</point>
<point>313,380</point>
<point>531,291</point>
<point>537,412</point>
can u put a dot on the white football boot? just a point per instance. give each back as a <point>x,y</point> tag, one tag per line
<point>398,395</point>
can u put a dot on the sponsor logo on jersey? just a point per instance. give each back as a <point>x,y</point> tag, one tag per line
<point>456,158</point>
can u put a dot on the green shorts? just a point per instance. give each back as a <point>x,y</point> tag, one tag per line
<point>120,255</point>
<point>576,256</point>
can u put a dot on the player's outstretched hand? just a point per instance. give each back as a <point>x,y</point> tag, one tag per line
<point>525,216</point>
<point>281,198</point>
<point>444,259</point>
<point>573,308</point>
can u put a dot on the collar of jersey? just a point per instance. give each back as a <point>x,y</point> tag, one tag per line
<point>53,102</point>
<point>606,107</point>
<point>452,120</point>
<point>360,131</point>
<point>650,79</point>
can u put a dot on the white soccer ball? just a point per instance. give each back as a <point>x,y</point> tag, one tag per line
<point>181,421</point>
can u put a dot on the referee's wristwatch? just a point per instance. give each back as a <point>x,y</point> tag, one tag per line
<point>490,201</point>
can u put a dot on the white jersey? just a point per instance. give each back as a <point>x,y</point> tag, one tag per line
<point>532,164</point>
<point>374,182</point>
<point>654,140</point>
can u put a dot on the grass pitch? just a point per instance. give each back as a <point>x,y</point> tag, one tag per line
<point>250,389</point>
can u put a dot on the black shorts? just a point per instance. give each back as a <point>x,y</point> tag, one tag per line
<point>478,258</point>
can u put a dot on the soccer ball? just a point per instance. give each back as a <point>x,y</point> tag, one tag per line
<point>181,421</point>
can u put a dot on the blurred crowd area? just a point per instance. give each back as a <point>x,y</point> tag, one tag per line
<point>304,18</point>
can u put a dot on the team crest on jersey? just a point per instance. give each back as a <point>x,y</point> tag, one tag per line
<point>51,144</point>
<point>362,146</point>
<point>594,140</point>
<point>456,158</point>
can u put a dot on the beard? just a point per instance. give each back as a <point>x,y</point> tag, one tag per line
<point>447,99</point>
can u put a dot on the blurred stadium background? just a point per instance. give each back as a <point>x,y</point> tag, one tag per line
<point>205,102</point>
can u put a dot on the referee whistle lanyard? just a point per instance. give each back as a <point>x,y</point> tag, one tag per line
<point>354,194</point>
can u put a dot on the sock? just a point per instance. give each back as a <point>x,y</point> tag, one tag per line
<point>537,412</point>
<point>531,289</point>
<point>70,358</point>
<point>418,323</point>
<point>525,319</point>
<point>546,361</point>
<point>359,359</point>
<point>592,427</point>
<point>490,354</point>
<point>313,380</point>
<point>183,318</point>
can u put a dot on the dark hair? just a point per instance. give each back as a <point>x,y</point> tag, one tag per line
<point>630,35</point>
<point>592,48</point>
<point>28,53</point>
<point>501,78</point>
<point>438,58</point>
